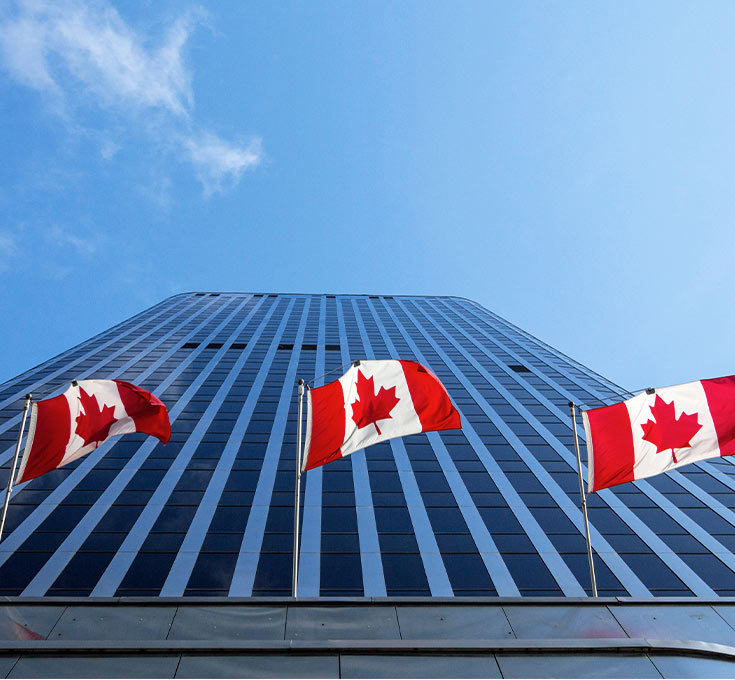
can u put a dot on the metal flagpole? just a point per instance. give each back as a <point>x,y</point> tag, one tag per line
<point>15,462</point>
<point>297,503</point>
<point>584,501</point>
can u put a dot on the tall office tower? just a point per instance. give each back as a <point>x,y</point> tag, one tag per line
<point>491,509</point>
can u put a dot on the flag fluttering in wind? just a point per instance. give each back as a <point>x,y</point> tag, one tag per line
<point>76,422</point>
<point>659,430</point>
<point>372,402</point>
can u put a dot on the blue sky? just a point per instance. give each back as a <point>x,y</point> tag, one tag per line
<point>569,165</point>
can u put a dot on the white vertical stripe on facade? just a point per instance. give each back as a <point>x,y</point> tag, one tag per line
<point>118,567</point>
<point>186,558</point>
<point>673,561</point>
<point>546,550</point>
<point>243,579</point>
<point>649,536</point>
<point>311,525</point>
<point>646,534</point>
<point>606,552</point>
<point>31,523</point>
<point>373,577</point>
<point>497,570</point>
<point>46,576</point>
<point>436,572</point>
<point>678,515</point>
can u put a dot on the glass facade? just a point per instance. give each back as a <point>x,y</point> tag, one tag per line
<point>490,510</point>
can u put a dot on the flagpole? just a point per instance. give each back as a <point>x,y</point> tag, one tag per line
<point>297,502</point>
<point>15,463</point>
<point>584,501</point>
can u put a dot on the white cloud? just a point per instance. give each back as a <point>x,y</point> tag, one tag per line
<point>45,42</point>
<point>84,54</point>
<point>218,161</point>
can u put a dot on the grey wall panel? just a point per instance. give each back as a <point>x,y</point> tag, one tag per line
<point>114,623</point>
<point>676,666</point>
<point>700,623</point>
<point>418,666</point>
<point>561,622</point>
<point>453,623</point>
<point>103,666</point>
<point>229,623</point>
<point>259,666</point>
<point>342,623</point>
<point>28,623</point>
<point>576,666</point>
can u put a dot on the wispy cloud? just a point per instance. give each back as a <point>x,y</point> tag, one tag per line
<point>108,148</point>
<point>83,54</point>
<point>80,245</point>
<point>8,250</point>
<point>51,251</point>
<point>156,187</point>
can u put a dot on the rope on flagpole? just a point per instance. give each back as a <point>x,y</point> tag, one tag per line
<point>27,404</point>
<point>309,383</point>
<point>606,401</point>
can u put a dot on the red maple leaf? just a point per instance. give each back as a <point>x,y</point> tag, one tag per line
<point>667,431</point>
<point>369,407</point>
<point>94,424</point>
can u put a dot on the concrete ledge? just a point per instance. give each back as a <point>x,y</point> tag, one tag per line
<point>444,647</point>
<point>364,601</point>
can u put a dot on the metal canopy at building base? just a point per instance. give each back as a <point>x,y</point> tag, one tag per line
<point>379,637</point>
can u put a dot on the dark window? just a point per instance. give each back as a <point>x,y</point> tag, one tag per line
<point>404,574</point>
<point>213,571</point>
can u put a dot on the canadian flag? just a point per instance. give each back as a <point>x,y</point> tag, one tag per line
<point>76,422</point>
<point>372,402</point>
<point>660,430</point>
